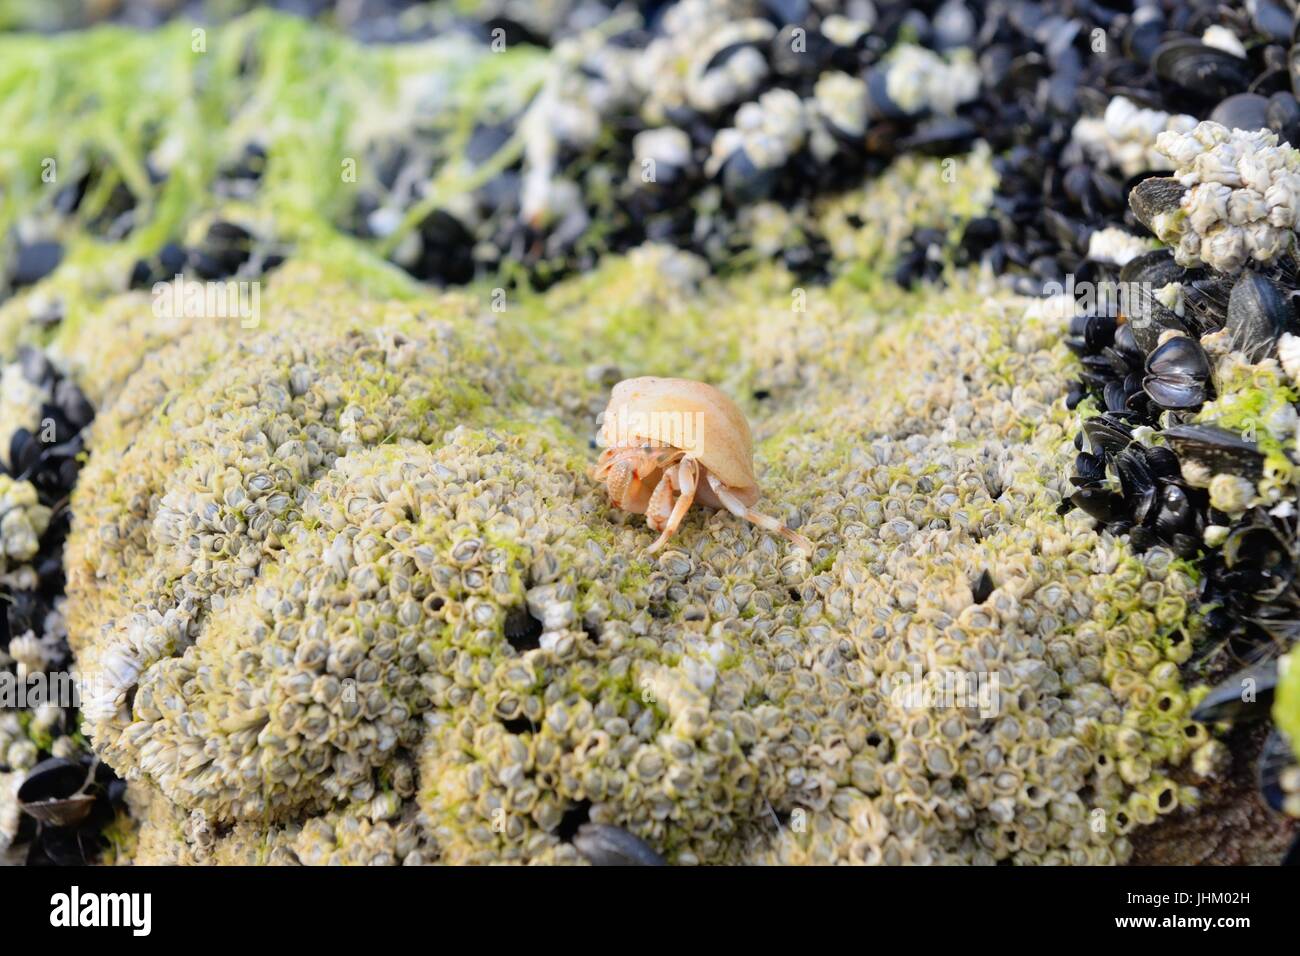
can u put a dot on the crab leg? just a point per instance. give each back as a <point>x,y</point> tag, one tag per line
<point>617,477</point>
<point>622,470</point>
<point>737,508</point>
<point>683,477</point>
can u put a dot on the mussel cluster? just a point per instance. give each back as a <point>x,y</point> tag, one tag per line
<point>1167,178</point>
<point>680,125</point>
<point>57,797</point>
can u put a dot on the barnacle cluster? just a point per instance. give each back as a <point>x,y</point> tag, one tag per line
<point>1243,189</point>
<point>1124,136</point>
<point>20,401</point>
<point>1116,246</point>
<point>351,598</point>
<point>918,79</point>
<point>870,224</point>
<point>23,519</point>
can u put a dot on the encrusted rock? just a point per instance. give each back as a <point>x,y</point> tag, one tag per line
<point>355,600</point>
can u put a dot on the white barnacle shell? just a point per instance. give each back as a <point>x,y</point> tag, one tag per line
<point>1222,38</point>
<point>1116,245</point>
<point>117,671</point>
<point>1288,354</point>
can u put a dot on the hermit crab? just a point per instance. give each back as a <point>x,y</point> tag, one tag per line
<point>669,442</point>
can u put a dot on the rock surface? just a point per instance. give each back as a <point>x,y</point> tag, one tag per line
<point>350,596</point>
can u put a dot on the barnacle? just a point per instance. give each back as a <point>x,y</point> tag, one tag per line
<point>1241,199</point>
<point>917,79</point>
<point>23,519</point>
<point>353,599</point>
<point>1125,136</point>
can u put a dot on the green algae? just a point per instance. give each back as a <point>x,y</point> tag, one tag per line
<point>1286,706</point>
<point>100,101</point>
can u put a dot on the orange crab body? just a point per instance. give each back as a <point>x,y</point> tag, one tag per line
<point>670,442</point>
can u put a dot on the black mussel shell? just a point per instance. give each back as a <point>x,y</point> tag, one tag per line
<point>33,261</point>
<point>1149,318</point>
<point>1137,483</point>
<point>1284,116</point>
<point>73,404</point>
<point>1102,504</point>
<point>1163,463</point>
<point>172,258</point>
<point>1275,758</point>
<point>1088,469</point>
<point>53,792</point>
<point>224,248</point>
<point>744,181</point>
<point>1115,396</point>
<point>954,25</point>
<point>1260,559</point>
<point>1201,71</point>
<point>1126,350</point>
<point>1178,374</point>
<point>1155,196</point>
<point>1106,435</point>
<point>1216,448</point>
<point>1142,539</point>
<point>1174,394</point>
<point>1155,268</point>
<point>941,137</point>
<point>879,103</point>
<point>1244,111</point>
<point>982,587</point>
<point>803,54</point>
<point>604,845</point>
<point>1271,18</point>
<point>1185,545</point>
<point>62,846</point>
<point>1178,515</point>
<point>787,11</point>
<point>445,256</point>
<point>1258,314</point>
<point>1089,334</point>
<point>1246,695</point>
<point>1143,35</point>
<point>24,451</point>
<point>1205,303</point>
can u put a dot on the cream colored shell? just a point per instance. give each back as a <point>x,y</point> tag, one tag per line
<point>725,446</point>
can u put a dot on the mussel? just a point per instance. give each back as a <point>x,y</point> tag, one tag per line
<point>1155,198</point>
<point>1275,759</point>
<point>1107,434</point>
<point>1258,314</point>
<point>1203,72</point>
<point>604,845</point>
<point>1216,449</point>
<point>1178,374</point>
<point>1260,558</point>
<point>54,792</point>
<point>1244,111</point>
<point>1247,694</point>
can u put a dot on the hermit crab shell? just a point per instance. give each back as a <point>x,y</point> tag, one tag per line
<point>647,410</point>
